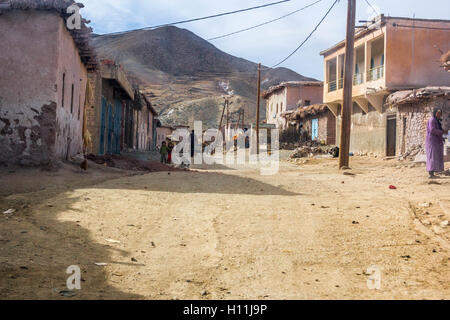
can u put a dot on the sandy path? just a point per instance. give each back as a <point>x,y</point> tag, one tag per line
<point>309,232</point>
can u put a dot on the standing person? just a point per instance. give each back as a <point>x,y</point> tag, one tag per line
<point>435,144</point>
<point>170,147</point>
<point>164,150</point>
<point>192,144</point>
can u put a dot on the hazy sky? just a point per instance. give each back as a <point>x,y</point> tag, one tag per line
<point>268,44</point>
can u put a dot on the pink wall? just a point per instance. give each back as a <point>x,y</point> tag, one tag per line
<point>311,93</point>
<point>36,48</point>
<point>411,58</point>
<point>69,120</point>
<point>162,133</point>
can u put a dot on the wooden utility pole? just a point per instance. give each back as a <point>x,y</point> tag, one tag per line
<point>257,108</point>
<point>228,113</point>
<point>223,113</point>
<point>347,104</point>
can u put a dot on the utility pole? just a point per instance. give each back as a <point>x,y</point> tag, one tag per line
<point>347,104</point>
<point>257,108</point>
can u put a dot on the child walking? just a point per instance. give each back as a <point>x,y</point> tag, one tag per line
<point>164,150</point>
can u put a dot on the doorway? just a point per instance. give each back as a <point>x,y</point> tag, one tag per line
<point>391,136</point>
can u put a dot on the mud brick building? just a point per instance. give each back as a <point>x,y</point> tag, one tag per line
<point>146,126</point>
<point>316,120</point>
<point>414,108</point>
<point>286,97</point>
<point>43,77</point>
<point>106,118</point>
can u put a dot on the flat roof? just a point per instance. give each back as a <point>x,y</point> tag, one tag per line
<point>380,19</point>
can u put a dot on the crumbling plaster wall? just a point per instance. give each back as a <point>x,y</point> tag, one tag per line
<point>28,90</point>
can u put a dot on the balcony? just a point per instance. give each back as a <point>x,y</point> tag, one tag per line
<point>332,86</point>
<point>358,79</point>
<point>375,73</point>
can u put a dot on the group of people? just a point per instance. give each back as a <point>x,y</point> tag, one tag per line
<point>166,151</point>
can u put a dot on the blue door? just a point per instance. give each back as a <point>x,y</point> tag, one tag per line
<point>101,150</point>
<point>117,126</point>
<point>109,147</point>
<point>315,129</point>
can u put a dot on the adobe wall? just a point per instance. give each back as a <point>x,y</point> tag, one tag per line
<point>69,119</point>
<point>368,133</point>
<point>28,86</point>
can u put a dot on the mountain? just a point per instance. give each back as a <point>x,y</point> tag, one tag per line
<point>185,77</point>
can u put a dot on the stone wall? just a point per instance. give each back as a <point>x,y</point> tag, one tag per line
<point>412,122</point>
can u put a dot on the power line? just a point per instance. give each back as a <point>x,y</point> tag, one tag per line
<point>370,5</point>
<point>309,36</point>
<point>202,18</point>
<point>264,23</point>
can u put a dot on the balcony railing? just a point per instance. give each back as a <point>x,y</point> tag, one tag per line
<point>358,79</point>
<point>341,83</point>
<point>375,73</point>
<point>332,86</point>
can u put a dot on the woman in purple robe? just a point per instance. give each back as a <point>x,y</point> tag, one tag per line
<point>435,144</point>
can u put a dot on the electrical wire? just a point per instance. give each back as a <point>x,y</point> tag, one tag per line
<point>202,18</point>
<point>374,10</point>
<point>264,23</point>
<point>308,37</point>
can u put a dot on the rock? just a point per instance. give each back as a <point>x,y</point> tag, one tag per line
<point>204,293</point>
<point>444,224</point>
<point>101,264</point>
<point>67,293</point>
<point>9,212</point>
<point>134,260</point>
<point>425,205</point>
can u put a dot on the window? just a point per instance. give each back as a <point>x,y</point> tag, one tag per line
<point>63,89</point>
<point>71,99</point>
<point>307,103</point>
<point>281,107</point>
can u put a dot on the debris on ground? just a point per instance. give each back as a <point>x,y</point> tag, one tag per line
<point>126,163</point>
<point>412,153</point>
<point>101,264</point>
<point>112,241</point>
<point>67,293</point>
<point>392,187</point>
<point>312,151</point>
<point>9,212</point>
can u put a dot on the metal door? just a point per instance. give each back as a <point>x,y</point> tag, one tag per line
<point>315,129</point>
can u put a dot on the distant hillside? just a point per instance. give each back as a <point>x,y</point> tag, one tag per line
<point>185,76</point>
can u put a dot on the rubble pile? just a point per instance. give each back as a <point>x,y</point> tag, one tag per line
<point>411,154</point>
<point>309,151</point>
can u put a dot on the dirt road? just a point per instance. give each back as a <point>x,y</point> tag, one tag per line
<point>309,232</point>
